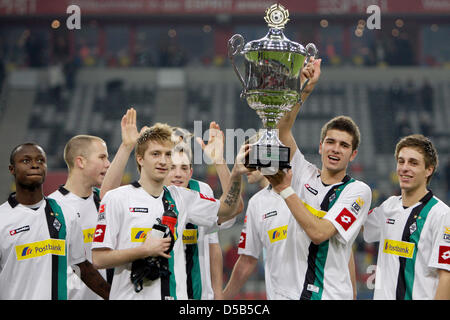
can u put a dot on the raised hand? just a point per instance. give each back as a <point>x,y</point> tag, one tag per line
<point>214,148</point>
<point>128,126</point>
<point>312,72</point>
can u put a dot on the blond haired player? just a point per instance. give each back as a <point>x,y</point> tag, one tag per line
<point>87,161</point>
<point>132,208</point>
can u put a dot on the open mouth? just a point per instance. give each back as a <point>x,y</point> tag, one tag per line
<point>176,182</point>
<point>405,178</point>
<point>334,158</point>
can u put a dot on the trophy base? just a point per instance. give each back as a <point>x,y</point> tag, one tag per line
<point>268,156</point>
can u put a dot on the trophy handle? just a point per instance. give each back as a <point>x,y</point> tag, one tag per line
<point>235,45</point>
<point>311,51</point>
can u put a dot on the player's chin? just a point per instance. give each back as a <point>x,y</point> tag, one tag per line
<point>161,173</point>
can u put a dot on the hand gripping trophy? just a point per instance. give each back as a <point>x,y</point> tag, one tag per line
<point>271,85</point>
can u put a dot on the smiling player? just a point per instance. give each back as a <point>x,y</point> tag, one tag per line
<point>413,230</point>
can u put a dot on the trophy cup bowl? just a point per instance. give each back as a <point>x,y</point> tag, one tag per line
<point>271,85</point>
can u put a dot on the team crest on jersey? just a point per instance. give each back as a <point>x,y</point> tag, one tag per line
<point>56,224</point>
<point>19,230</point>
<point>412,228</point>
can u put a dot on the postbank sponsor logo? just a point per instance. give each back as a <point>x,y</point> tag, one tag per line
<point>399,248</point>
<point>139,234</point>
<point>277,234</point>
<point>41,248</point>
<point>190,236</point>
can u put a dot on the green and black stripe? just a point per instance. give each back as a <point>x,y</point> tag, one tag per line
<point>194,279</point>
<point>417,217</point>
<point>168,283</point>
<point>57,230</point>
<point>317,254</point>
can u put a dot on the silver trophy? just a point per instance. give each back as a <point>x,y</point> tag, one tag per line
<point>271,85</point>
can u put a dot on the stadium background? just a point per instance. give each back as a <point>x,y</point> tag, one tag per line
<point>168,60</point>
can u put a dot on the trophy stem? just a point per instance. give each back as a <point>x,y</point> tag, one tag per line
<point>269,137</point>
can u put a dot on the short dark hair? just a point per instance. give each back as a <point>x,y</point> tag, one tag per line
<point>423,145</point>
<point>342,123</point>
<point>16,148</point>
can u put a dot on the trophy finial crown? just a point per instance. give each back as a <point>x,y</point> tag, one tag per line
<point>276,16</point>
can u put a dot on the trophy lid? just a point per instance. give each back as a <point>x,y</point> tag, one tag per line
<point>276,17</point>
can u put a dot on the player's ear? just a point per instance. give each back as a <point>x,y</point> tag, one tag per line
<point>353,156</point>
<point>12,169</point>
<point>140,159</point>
<point>79,162</point>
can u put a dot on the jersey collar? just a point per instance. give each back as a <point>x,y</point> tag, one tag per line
<point>63,190</point>
<point>12,200</point>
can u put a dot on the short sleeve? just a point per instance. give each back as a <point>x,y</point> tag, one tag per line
<point>372,226</point>
<point>200,209</point>
<point>250,242</point>
<point>440,255</point>
<point>300,168</point>
<point>350,210</point>
<point>213,237</point>
<point>106,231</point>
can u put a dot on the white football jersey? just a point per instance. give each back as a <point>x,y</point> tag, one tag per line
<point>414,245</point>
<point>299,269</point>
<point>33,264</point>
<point>269,225</point>
<point>87,214</point>
<point>126,215</point>
<point>196,243</point>
<point>345,205</point>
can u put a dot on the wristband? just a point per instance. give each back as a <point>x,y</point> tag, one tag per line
<point>287,192</point>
